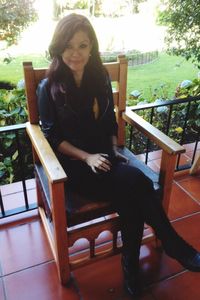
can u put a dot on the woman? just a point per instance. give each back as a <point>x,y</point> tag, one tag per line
<point>77,115</point>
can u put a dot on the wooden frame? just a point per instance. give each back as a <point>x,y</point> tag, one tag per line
<point>60,235</point>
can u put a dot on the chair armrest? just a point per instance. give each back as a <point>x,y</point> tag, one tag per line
<point>48,159</point>
<point>154,134</point>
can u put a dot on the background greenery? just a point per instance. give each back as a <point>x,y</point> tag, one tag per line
<point>168,70</point>
<point>158,79</point>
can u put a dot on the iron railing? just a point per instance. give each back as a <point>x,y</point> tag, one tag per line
<point>181,115</point>
<point>15,147</point>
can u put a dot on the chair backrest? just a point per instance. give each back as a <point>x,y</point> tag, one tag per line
<point>118,74</point>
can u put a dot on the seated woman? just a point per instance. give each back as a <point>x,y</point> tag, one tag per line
<point>78,119</point>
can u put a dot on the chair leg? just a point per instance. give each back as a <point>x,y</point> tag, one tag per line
<point>167,168</point>
<point>60,231</point>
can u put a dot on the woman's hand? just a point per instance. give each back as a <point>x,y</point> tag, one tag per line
<point>99,162</point>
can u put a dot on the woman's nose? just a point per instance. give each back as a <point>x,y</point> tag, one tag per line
<point>75,52</point>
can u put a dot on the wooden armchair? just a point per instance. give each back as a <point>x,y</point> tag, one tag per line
<point>60,224</point>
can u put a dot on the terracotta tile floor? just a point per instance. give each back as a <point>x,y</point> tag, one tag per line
<point>28,271</point>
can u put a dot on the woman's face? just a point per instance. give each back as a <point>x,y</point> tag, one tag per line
<point>77,52</point>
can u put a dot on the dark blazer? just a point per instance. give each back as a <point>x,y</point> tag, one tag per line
<point>70,117</point>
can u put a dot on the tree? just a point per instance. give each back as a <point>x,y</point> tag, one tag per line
<point>98,7</point>
<point>15,16</point>
<point>182,19</point>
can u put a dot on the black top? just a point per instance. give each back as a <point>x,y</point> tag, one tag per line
<point>70,116</point>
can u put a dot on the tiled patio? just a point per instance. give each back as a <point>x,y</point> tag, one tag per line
<point>28,271</point>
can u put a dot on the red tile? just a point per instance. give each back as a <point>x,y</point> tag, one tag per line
<point>13,201</point>
<point>11,188</point>
<point>17,187</point>
<point>181,204</point>
<point>156,265</point>
<point>2,294</point>
<point>141,157</point>
<point>188,228</point>
<point>14,196</point>
<point>40,282</point>
<point>19,219</point>
<point>184,160</point>
<point>23,246</point>
<point>181,175</point>
<point>184,286</point>
<point>189,147</point>
<point>155,155</point>
<point>103,280</point>
<point>30,183</point>
<point>192,185</point>
<point>154,165</point>
<point>190,153</point>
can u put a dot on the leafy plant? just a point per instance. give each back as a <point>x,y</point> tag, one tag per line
<point>182,19</point>
<point>177,127</point>
<point>15,148</point>
<point>188,88</point>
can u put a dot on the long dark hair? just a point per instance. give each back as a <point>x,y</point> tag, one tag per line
<point>58,72</point>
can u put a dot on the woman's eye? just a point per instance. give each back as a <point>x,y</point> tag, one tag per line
<point>83,46</point>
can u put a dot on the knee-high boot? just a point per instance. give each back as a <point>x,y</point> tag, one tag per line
<point>155,216</point>
<point>131,233</point>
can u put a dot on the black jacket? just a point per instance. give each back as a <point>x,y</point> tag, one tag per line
<point>70,117</point>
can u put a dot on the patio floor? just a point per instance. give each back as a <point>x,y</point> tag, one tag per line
<point>28,271</point>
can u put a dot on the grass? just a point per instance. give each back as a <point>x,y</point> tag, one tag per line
<point>13,71</point>
<point>167,70</point>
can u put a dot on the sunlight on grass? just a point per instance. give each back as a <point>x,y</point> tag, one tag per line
<point>167,70</point>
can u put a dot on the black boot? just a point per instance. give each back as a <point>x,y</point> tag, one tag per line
<point>184,253</point>
<point>132,282</point>
<point>132,232</point>
<point>174,245</point>
<point>191,262</point>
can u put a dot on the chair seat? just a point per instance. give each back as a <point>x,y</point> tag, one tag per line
<point>80,209</point>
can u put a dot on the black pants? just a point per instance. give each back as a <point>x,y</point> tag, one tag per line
<point>133,197</point>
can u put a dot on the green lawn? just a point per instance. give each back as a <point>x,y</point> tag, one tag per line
<point>13,71</point>
<point>168,70</point>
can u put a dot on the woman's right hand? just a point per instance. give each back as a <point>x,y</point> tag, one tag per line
<point>99,162</point>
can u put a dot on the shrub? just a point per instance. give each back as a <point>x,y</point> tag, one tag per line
<point>13,111</point>
<point>181,131</point>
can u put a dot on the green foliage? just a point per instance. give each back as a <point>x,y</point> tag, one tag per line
<point>15,16</point>
<point>12,107</point>
<point>188,88</point>
<point>184,123</point>
<point>13,111</point>
<point>182,19</point>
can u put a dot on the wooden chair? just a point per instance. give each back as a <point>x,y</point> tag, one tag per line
<point>60,224</point>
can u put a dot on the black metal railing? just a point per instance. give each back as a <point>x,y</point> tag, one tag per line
<point>16,165</point>
<point>171,116</point>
